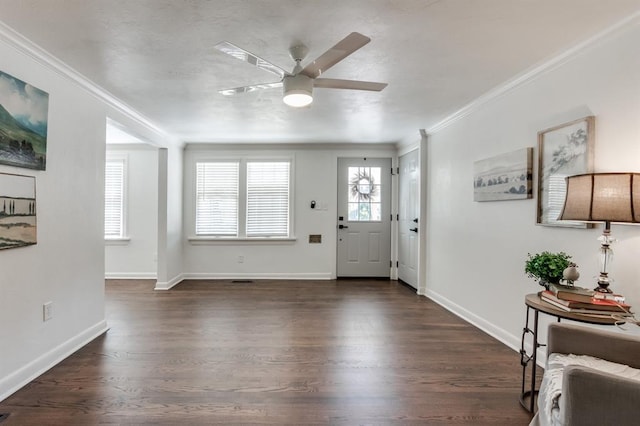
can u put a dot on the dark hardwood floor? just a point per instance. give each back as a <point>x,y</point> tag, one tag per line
<point>346,352</point>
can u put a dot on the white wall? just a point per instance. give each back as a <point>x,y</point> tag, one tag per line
<point>476,251</point>
<point>136,257</point>
<point>170,214</point>
<point>66,266</point>
<point>315,178</point>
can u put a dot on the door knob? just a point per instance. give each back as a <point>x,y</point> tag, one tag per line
<point>414,230</point>
<point>342,226</point>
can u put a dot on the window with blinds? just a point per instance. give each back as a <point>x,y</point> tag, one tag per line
<point>267,199</point>
<point>556,195</point>
<point>243,198</point>
<point>114,199</point>
<point>217,198</point>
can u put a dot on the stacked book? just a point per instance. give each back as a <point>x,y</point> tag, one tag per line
<point>583,301</point>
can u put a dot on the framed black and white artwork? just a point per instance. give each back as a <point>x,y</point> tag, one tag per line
<point>563,150</point>
<point>504,177</point>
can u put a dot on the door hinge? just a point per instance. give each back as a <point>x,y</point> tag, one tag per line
<point>392,171</point>
<point>397,217</point>
<point>397,264</point>
<point>390,264</point>
<point>398,170</point>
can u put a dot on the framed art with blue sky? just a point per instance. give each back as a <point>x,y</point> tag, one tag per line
<point>23,123</point>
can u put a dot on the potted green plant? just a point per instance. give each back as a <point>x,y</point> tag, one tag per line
<point>547,267</point>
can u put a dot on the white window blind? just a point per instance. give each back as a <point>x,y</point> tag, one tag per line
<point>217,198</point>
<point>556,193</point>
<point>267,199</point>
<point>114,199</point>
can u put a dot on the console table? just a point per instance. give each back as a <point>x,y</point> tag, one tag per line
<point>535,303</point>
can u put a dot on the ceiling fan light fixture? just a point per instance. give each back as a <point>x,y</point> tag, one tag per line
<point>298,90</point>
<point>297,100</point>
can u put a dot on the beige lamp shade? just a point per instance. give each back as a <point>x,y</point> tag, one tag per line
<point>603,197</point>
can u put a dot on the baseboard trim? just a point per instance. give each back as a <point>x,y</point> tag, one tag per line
<point>259,276</point>
<point>37,367</point>
<point>131,276</point>
<point>497,333</point>
<point>161,285</point>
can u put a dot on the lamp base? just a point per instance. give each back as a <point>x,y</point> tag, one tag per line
<point>603,283</point>
<point>606,256</point>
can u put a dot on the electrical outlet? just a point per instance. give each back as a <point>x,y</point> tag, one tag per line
<point>240,259</point>
<point>47,311</point>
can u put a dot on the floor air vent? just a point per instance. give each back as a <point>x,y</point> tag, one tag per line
<point>242,281</point>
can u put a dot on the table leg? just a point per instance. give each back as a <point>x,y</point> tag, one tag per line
<point>526,359</point>
<point>534,367</point>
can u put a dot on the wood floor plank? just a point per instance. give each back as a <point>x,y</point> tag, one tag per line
<point>345,352</point>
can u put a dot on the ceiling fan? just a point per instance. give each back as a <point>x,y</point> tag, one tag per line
<point>299,83</point>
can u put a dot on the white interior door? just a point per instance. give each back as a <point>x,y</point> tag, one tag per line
<point>364,217</point>
<point>408,213</point>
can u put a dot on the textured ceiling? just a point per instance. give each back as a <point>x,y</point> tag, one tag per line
<point>158,57</point>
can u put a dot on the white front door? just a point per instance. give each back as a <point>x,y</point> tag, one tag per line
<point>408,212</point>
<point>364,217</point>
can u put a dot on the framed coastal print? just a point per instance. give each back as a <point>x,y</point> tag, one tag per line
<point>504,177</point>
<point>563,150</point>
<point>24,113</point>
<point>17,211</point>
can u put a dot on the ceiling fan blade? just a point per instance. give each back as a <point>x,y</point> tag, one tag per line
<point>333,83</point>
<point>247,89</point>
<point>344,48</point>
<point>243,55</point>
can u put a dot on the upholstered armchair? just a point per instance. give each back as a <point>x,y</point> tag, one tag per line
<point>592,391</point>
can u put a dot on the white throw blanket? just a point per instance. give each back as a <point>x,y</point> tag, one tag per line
<point>551,386</point>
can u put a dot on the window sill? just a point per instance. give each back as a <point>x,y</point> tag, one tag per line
<point>244,240</point>
<point>117,241</point>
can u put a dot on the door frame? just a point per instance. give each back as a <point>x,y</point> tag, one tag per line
<point>404,189</point>
<point>393,205</point>
<point>422,146</point>
<point>392,152</point>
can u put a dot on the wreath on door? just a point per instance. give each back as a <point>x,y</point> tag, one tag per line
<point>363,186</point>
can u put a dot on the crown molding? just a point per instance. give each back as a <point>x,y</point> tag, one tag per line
<point>25,46</point>
<point>304,146</point>
<point>535,72</point>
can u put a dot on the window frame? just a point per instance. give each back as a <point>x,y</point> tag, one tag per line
<point>256,190</point>
<point>241,237</point>
<point>358,202</point>
<point>124,236</point>
<point>238,200</point>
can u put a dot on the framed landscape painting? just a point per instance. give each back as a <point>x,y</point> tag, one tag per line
<point>504,177</point>
<point>23,123</point>
<point>563,150</point>
<point>17,211</point>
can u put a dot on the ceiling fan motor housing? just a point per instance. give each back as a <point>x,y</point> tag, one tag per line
<point>298,90</point>
<point>298,52</point>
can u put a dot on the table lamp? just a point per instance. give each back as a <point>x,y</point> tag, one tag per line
<point>603,197</point>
